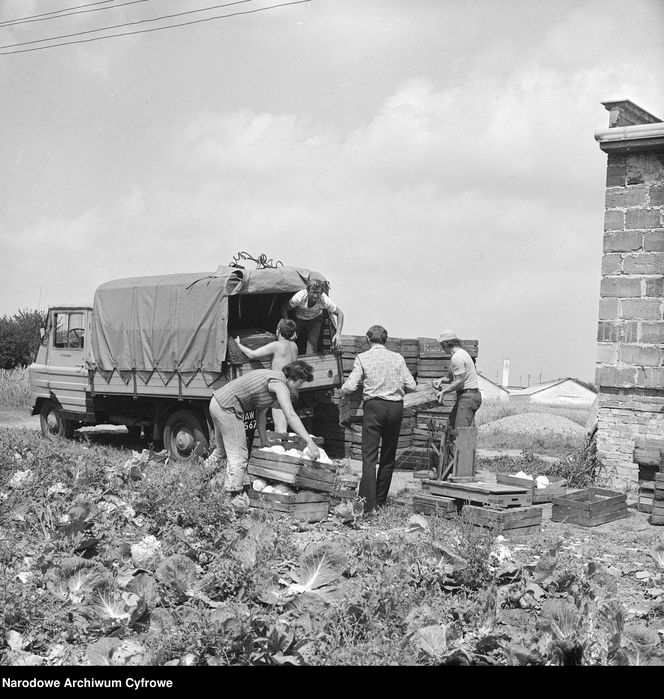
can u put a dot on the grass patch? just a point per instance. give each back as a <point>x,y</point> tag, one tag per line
<point>15,387</point>
<point>492,410</point>
<point>579,467</point>
<point>546,444</point>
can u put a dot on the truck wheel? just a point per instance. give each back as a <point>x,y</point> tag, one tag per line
<point>53,425</point>
<point>182,433</point>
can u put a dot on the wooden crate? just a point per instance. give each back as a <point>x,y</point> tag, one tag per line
<point>657,511</point>
<point>516,520</point>
<point>537,495</point>
<point>300,473</point>
<point>350,408</point>
<point>646,487</point>
<point>426,504</point>
<point>345,486</point>
<point>589,507</point>
<point>496,494</point>
<point>305,505</point>
<point>414,459</point>
<point>649,451</point>
<point>424,398</point>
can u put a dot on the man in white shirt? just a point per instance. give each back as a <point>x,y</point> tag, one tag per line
<point>384,378</point>
<point>462,379</point>
<point>308,306</point>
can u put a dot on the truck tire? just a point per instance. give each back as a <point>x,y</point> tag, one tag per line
<point>53,425</point>
<point>183,433</point>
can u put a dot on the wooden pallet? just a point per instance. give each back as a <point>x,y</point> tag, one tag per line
<point>305,505</point>
<point>589,507</point>
<point>496,494</point>
<point>427,504</point>
<point>538,495</point>
<point>517,520</point>
<point>300,473</point>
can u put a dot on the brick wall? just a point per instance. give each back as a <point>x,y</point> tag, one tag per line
<point>630,356</point>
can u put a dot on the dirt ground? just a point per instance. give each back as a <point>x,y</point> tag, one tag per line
<point>623,545</point>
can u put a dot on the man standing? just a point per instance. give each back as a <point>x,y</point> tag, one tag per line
<point>384,378</point>
<point>462,379</point>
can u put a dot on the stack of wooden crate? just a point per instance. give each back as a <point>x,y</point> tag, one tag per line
<point>433,362</point>
<point>648,454</point>
<point>313,482</point>
<point>490,505</point>
<point>421,355</point>
<point>657,512</point>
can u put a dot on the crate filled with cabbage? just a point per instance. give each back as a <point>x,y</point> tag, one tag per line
<point>541,488</point>
<point>289,480</point>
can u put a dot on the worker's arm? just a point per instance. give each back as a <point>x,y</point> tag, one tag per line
<point>339,324</point>
<point>264,351</point>
<point>438,383</point>
<point>407,378</point>
<point>354,378</point>
<point>261,424</point>
<point>292,302</point>
<point>283,398</point>
<point>455,385</point>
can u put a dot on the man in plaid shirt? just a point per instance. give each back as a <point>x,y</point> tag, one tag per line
<point>384,378</point>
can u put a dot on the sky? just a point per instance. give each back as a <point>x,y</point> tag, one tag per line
<point>434,159</point>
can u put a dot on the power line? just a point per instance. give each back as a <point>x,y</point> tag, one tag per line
<point>124,24</point>
<point>53,12</point>
<point>156,29</point>
<point>42,18</point>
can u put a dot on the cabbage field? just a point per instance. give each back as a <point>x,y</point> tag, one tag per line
<point>116,558</point>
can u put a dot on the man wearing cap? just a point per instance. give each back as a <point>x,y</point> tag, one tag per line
<point>462,379</point>
<point>384,377</point>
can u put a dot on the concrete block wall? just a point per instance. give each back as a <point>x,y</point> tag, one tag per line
<point>630,355</point>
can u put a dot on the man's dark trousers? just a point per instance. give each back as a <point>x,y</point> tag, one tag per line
<point>381,423</point>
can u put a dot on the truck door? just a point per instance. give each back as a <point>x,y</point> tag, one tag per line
<point>66,370</point>
<point>69,336</point>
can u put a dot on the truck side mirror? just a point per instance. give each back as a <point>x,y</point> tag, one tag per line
<point>42,332</point>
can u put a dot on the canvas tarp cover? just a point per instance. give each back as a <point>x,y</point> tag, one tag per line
<point>176,322</point>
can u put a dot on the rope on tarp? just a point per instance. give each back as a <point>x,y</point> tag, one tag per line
<point>262,261</point>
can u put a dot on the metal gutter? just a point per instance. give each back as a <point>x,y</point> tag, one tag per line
<point>638,137</point>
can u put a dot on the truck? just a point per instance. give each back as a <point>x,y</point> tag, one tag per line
<point>149,352</point>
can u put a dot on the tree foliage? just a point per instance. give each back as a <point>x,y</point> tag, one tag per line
<point>20,338</point>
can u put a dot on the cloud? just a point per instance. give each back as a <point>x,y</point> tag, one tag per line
<point>474,202</point>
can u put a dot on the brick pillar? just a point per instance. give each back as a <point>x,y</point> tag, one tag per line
<point>630,354</point>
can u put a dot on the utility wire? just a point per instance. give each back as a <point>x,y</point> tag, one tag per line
<point>156,29</point>
<point>41,18</point>
<point>124,24</point>
<point>54,12</point>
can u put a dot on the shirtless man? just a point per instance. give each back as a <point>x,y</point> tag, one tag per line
<point>283,351</point>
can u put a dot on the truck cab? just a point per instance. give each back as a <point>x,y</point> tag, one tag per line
<point>59,375</point>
